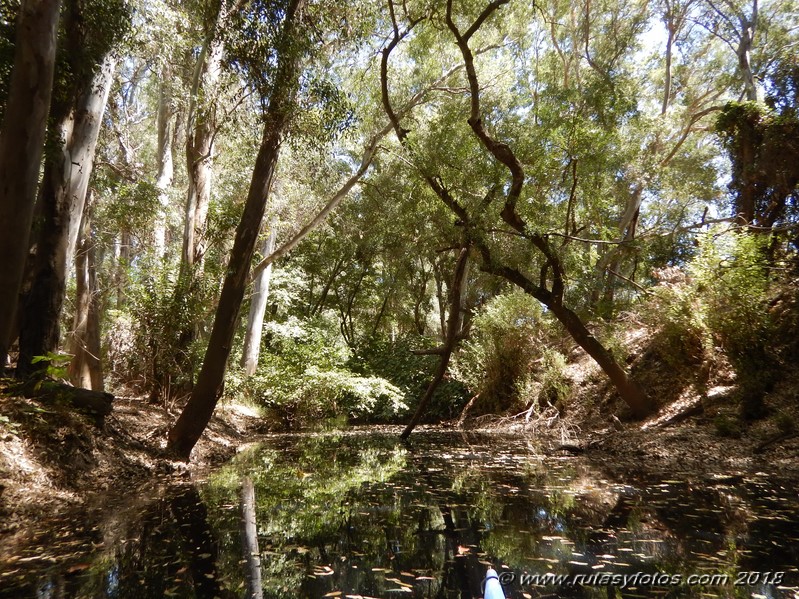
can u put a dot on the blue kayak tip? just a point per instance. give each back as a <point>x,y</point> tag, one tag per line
<point>493,588</point>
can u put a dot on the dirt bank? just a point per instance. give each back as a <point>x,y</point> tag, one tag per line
<point>56,462</point>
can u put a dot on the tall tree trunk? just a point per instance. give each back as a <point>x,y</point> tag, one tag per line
<point>255,319</point>
<point>121,262</point>
<point>66,180</point>
<point>745,41</point>
<point>200,134</point>
<point>166,170</point>
<point>21,146</point>
<point>85,369</point>
<point>197,413</point>
<point>669,50</point>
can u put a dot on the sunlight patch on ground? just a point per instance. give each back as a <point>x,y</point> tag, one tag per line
<point>687,400</point>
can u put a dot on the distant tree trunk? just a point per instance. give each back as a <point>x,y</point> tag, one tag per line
<point>745,41</point>
<point>85,369</point>
<point>66,179</point>
<point>21,146</point>
<point>249,540</point>
<point>166,170</point>
<point>452,334</point>
<point>610,262</point>
<point>200,134</point>
<point>255,319</point>
<point>197,413</point>
<point>121,262</point>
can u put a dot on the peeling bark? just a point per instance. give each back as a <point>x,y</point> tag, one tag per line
<point>85,369</point>
<point>66,179</point>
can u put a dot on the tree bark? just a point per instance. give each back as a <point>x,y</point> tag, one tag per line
<point>166,169</point>
<point>197,413</point>
<point>85,369</point>
<point>200,135</point>
<point>21,147</point>
<point>66,180</point>
<point>744,49</point>
<point>453,332</point>
<point>255,319</point>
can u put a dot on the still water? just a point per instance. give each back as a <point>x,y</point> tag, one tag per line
<point>360,514</point>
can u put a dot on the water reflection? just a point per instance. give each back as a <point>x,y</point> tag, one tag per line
<point>361,515</point>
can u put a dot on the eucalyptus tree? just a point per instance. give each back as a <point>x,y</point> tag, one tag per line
<point>202,125</point>
<point>761,36</point>
<point>667,154</point>
<point>285,23</point>
<point>21,145</point>
<point>83,78</point>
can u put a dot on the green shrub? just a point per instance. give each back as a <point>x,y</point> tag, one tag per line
<point>731,272</point>
<point>412,373</point>
<point>722,303</point>
<point>302,377</point>
<point>167,311</point>
<point>555,385</point>
<point>506,338</point>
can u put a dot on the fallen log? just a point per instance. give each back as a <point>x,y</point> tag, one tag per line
<point>94,403</point>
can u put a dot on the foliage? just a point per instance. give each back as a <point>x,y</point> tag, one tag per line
<point>506,339</point>
<point>396,362</point>
<point>302,377</point>
<point>762,147</point>
<point>57,364</point>
<point>722,303</point>
<point>590,108</point>
<point>165,308</point>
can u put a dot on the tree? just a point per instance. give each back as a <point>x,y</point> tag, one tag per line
<point>197,413</point>
<point>549,287</point>
<point>202,125</point>
<point>85,368</point>
<point>21,146</point>
<point>255,318</point>
<point>66,179</point>
<point>84,75</point>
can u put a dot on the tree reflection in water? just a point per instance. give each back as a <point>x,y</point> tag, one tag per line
<point>359,514</point>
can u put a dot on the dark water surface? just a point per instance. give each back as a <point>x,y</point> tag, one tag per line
<point>360,514</point>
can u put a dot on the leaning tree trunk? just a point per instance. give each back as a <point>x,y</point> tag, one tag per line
<point>85,369</point>
<point>21,146</point>
<point>255,318</point>
<point>197,413</point>
<point>66,180</point>
<point>451,336</point>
